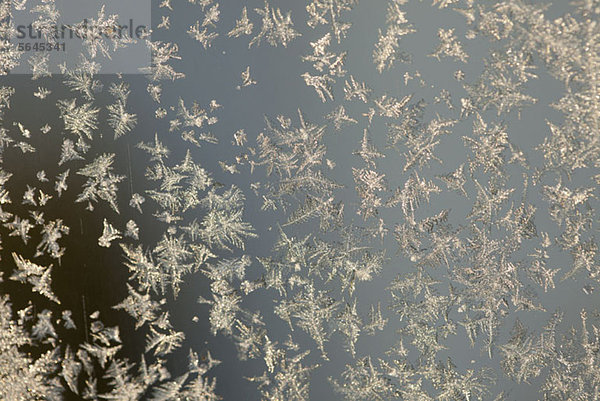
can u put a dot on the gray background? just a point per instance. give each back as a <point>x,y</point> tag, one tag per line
<point>97,277</point>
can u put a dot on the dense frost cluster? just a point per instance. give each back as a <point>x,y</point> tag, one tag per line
<point>415,230</point>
